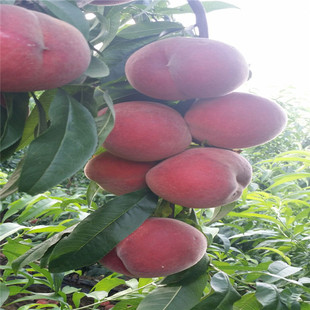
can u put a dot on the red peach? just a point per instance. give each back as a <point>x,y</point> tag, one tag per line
<point>237,120</point>
<point>117,175</point>
<point>159,247</point>
<point>200,177</point>
<point>147,131</point>
<point>182,68</point>
<point>38,51</point>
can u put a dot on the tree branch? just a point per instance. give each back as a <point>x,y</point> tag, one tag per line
<point>201,19</point>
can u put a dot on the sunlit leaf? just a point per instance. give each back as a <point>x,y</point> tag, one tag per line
<point>38,251</point>
<point>8,229</point>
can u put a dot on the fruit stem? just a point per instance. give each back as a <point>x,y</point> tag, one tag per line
<point>201,18</point>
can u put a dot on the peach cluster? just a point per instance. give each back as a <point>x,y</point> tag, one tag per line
<point>152,144</point>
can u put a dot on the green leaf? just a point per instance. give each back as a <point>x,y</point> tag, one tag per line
<point>188,275</point>
<point>247,302</point>
<point>97,68</point>
<point>305,306</point>
<point>4,293</point>
<point>34,211</point>
<point>108,283</point>
<point>100,232</point>
<point>12,185</point>
<point>181,297</point>
<point>38,251</point>
<point>228,268</point>
<point>286,258</point>
<point>280,269</point>
<point>268,296</point>
<point>91,192</point>
<point>105,123</point>
<point>63,149</point>
<point>209,6</point>
<point>148,29</point>
<point>222,298</point>
<point>69,13</point>
<point>20,204</point>
<point>33,119</point>
<point>117,53</point>
<point>8,229</point>
<point>287,178</point>
<point>17,108</point>
<point>252,216</point>
<point>221,212</point>
<point>131,303</point>
<point>109,26</point>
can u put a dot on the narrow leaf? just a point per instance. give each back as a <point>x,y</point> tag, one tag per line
<point>181,297</point>
<point>63,149</point>
<point>220,212</point>
<point>97,68</point>
<point>33,119</point>
<point>105,123</point>
<point>286,258</point>
<point>4,293</point>
<point>287,178</point>
<point>98,234</point>
<point>12,185</point>
<point>8,229</point>
<point>38,251</point>
<point>17,107</point>
<point>69,13</point>
<point>146,29</point>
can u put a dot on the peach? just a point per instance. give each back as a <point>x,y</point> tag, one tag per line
<point>237,120</point>
<point>117,175</point>
<point>182,68</point>
<point>38,51</point>
<point>146,131</point>
<point>159,247</point>
<point>200,177</point>
<point>110,2</point>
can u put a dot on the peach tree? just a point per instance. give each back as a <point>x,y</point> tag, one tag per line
<point>148,110</point>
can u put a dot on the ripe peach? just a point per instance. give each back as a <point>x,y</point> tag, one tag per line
<point>159,247</point>
<point>200,177</point>
<point>237,120</point>
<point>110,2</point>
<point>38,51</point>
<point>147,131</point>
<point>117,175</point>
<point>181,68</point>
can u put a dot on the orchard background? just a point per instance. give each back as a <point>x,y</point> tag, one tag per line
<point>259,247</point>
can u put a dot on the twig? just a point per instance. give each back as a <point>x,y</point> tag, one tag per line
<point>201,19</point>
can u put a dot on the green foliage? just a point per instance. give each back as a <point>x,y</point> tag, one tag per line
<point>52,216</point>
